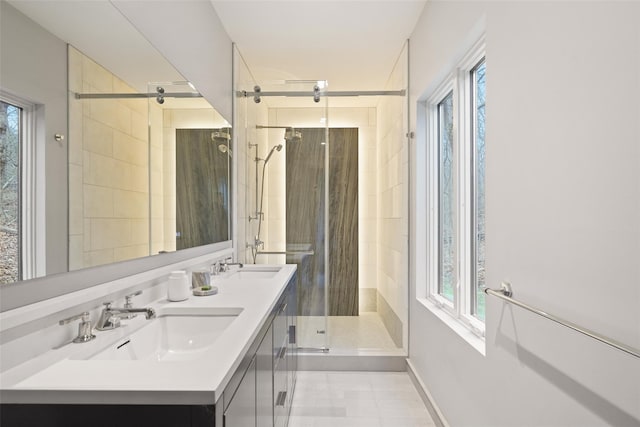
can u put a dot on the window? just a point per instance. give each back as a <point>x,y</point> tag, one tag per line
<point>477,125</point>
<point>447,262</point>
<point>456,175</point>
<point>19,218</point>
<point>10,170</point>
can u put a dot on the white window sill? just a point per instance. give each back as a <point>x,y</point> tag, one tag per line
<point>459,328</point>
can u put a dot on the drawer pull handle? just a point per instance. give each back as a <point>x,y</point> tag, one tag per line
<point>282,398</point>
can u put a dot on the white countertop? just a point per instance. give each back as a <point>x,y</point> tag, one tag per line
<point>62,376</point>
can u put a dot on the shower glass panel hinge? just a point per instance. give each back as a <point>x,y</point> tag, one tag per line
<point>320,331</point>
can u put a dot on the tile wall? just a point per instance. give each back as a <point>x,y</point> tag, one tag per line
<point>392,205</point>
<point>108,168</point>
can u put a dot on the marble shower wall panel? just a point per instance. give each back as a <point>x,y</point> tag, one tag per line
<point>343,222</point>
<point>305,218</point>
<point>365,120</point>
<point>202,189</point>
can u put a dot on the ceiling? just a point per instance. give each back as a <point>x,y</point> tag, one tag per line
<point>99,30</point>
<point>351,44</point>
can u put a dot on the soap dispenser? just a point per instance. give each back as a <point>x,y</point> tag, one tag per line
<point>178,287</point>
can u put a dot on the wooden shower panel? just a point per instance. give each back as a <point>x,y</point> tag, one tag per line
<point>343,222</point>
<point>305,218</point>
<point>202,189</point>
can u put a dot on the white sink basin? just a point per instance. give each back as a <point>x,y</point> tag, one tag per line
<point>252,273</point>
<point>172,336</point>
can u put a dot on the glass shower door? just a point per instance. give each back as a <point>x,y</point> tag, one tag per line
<point>287,219</point>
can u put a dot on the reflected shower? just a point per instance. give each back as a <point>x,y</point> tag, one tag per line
<point>223,147</point>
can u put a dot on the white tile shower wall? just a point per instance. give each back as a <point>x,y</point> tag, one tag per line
<point>109,212</point>
<point>392,200</point>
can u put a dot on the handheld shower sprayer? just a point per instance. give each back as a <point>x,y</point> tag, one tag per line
<point>274,148</point>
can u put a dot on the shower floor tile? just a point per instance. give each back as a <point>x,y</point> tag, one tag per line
<point>363,332</point>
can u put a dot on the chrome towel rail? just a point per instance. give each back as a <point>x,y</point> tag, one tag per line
<point>505,293</point>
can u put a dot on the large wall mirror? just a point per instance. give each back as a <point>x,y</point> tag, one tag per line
<point>143,166</point>
<point>147,175</point>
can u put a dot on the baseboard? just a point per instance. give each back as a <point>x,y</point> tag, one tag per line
<point>426,397</point>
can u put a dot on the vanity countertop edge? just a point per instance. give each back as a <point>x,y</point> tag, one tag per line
<point>72,380</point>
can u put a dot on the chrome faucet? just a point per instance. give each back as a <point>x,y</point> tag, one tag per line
<point>222,266</point>
<point>110,317</point>
<point>84,328</point>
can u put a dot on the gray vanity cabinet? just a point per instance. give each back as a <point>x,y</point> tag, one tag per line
<point>264,381</point>
<point>241,410</point>
<point>292,353</point>
<point>280,367</point>
<point>260,391</point>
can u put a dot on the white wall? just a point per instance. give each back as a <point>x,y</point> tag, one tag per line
<point>563,202</point>
<point>191,36</point>
<point>34,67</point>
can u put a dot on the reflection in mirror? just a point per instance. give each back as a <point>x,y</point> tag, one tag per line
<point>133,150</point>
<point>84,197</point>
<point>190,169</point>
<point>108,168</point>
<point>10,129</point>
<point>202,171</point>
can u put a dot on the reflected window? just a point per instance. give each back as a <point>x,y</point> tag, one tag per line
<point>10,238</point>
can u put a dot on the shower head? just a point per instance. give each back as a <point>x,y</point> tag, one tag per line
<point>221,134</point>
<point>225,149</point>
<point>274,148</point>
<point>292,135</point>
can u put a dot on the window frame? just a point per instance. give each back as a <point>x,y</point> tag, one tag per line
<point>459,80</point>
<point>30,190</point>
<point>433,188</point>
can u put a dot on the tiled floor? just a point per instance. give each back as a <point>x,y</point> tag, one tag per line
<point>357,399</point>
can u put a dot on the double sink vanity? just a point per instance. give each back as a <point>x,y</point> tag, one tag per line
<point>222,360</point>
